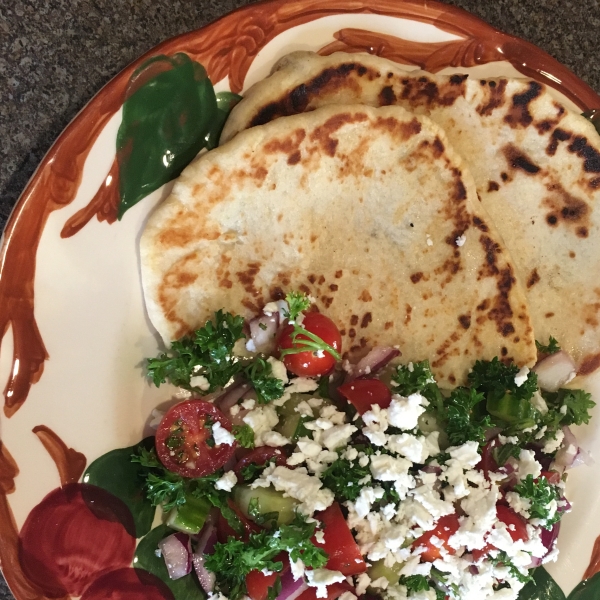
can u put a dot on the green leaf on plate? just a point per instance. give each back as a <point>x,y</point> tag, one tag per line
<point>115,473</point>
<point>543,587</point>
<point>169,110</point>
<point>587,590</point>
<point>225,102</point>
<point>186,588</point>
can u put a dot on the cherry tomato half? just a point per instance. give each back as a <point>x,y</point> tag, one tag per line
<point>259,456</point>
<point>444,529</point>
<point>311,364</point>
<point>363,393</point>
<point>343,551</point>
<point>183,439</point>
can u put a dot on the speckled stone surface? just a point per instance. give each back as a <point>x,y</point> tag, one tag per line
<point>56,54</point>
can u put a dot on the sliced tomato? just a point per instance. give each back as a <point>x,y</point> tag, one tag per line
<point>334,591</point>
<point>445,528</point>
<point>183,439</point>
<point>311,363</point>
<point>259,456</point>
<point>344,553</point>
<point>225,531</point>
<point>363,393</point>
<point>258,584</point>
<point>515,524</point>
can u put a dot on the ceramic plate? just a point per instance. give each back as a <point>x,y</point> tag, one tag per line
<point>75,332</point>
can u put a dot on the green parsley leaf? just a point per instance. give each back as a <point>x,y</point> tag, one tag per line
<point>207,352</point>
<point>342,477</point>
<point>495,379</point>
<point>540,493</point>
<point>233,560</point>
<point>244,434</point>
<point>169,490</point>
<point>415,583</point>
<point>267,387</point>
<point>298,303</point>
<point>551,348</point>
<point>503,559</point>
<point>578,403</point>
<point>465,418</point>
<point>253,471</point>
<point>419,379</point>
<point>503,453</point>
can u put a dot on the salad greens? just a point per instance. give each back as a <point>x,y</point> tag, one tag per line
<point>543,497</point>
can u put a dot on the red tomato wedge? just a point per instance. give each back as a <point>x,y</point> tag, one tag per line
<point>445,528</point>
<point>259,456</point>
<point>552,477</point>
<point>310,363</point>
<point>344,553</point>
<point>258,584</point>
<point>334,591</point>
<point>363,393</point>
<point>182,439</point>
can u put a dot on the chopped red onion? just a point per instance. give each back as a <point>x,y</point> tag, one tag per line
<point>263,332</point>
<point>290,589</point>
<point>177,552</point>
<point>206,543</point>
<point>549,537</point>
<point>554,371</point>
<point>375,360</point>
<point>567,452</point>
<point>231,396</point>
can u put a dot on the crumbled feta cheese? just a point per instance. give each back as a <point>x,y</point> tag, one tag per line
<point>278,369</point>
<point>270,308</point>
<point>221,435</point>
<point>347,596</point>
<point>362,583</point>
<point>527,465</point>
<point>538,402</point>
<point>298,569</point>
<point>367,497</point>
<point>321,578</point>
<point>250,345</point>
<point>309,448</point>
<point>200,382</point>
<point>380,583</point>
<point>414,448</point>
<point>235,410</point>
<point>226,482</point>
<point>350,453</point>
<point>363,460</point>
<point>249,403</point>
<point>301,486</point>
<point>304,409</point>
<point>315,402</point>
<point>331,413</point>
<point>519,504</point>
<point>262,420</point>
<point>320,536</point>
<point>461,239</point>
<point>521,376</point>
<point>553,444</point>
<point>338,436</point>
<point>275,439</point>
<point>404,412</point>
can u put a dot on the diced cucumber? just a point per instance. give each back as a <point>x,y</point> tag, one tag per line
<point>378,569</point>
<point>268,500</point>
<point>189,517</point>
<point>290,421</point>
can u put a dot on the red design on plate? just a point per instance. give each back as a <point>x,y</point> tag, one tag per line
<point>75,534</point>
<point>69,462</point>
<point>128,584</point>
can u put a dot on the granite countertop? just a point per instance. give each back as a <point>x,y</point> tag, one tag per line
<point>56,55</point>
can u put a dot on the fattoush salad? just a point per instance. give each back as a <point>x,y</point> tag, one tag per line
<point>288,473</point>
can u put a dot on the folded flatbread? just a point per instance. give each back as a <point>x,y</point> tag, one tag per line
<point>368,210</point>
<point>536,168</point>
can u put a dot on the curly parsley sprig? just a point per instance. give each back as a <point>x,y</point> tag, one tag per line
<point>233,560</point>
<point>302,339</point>
<point>208,353</point>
